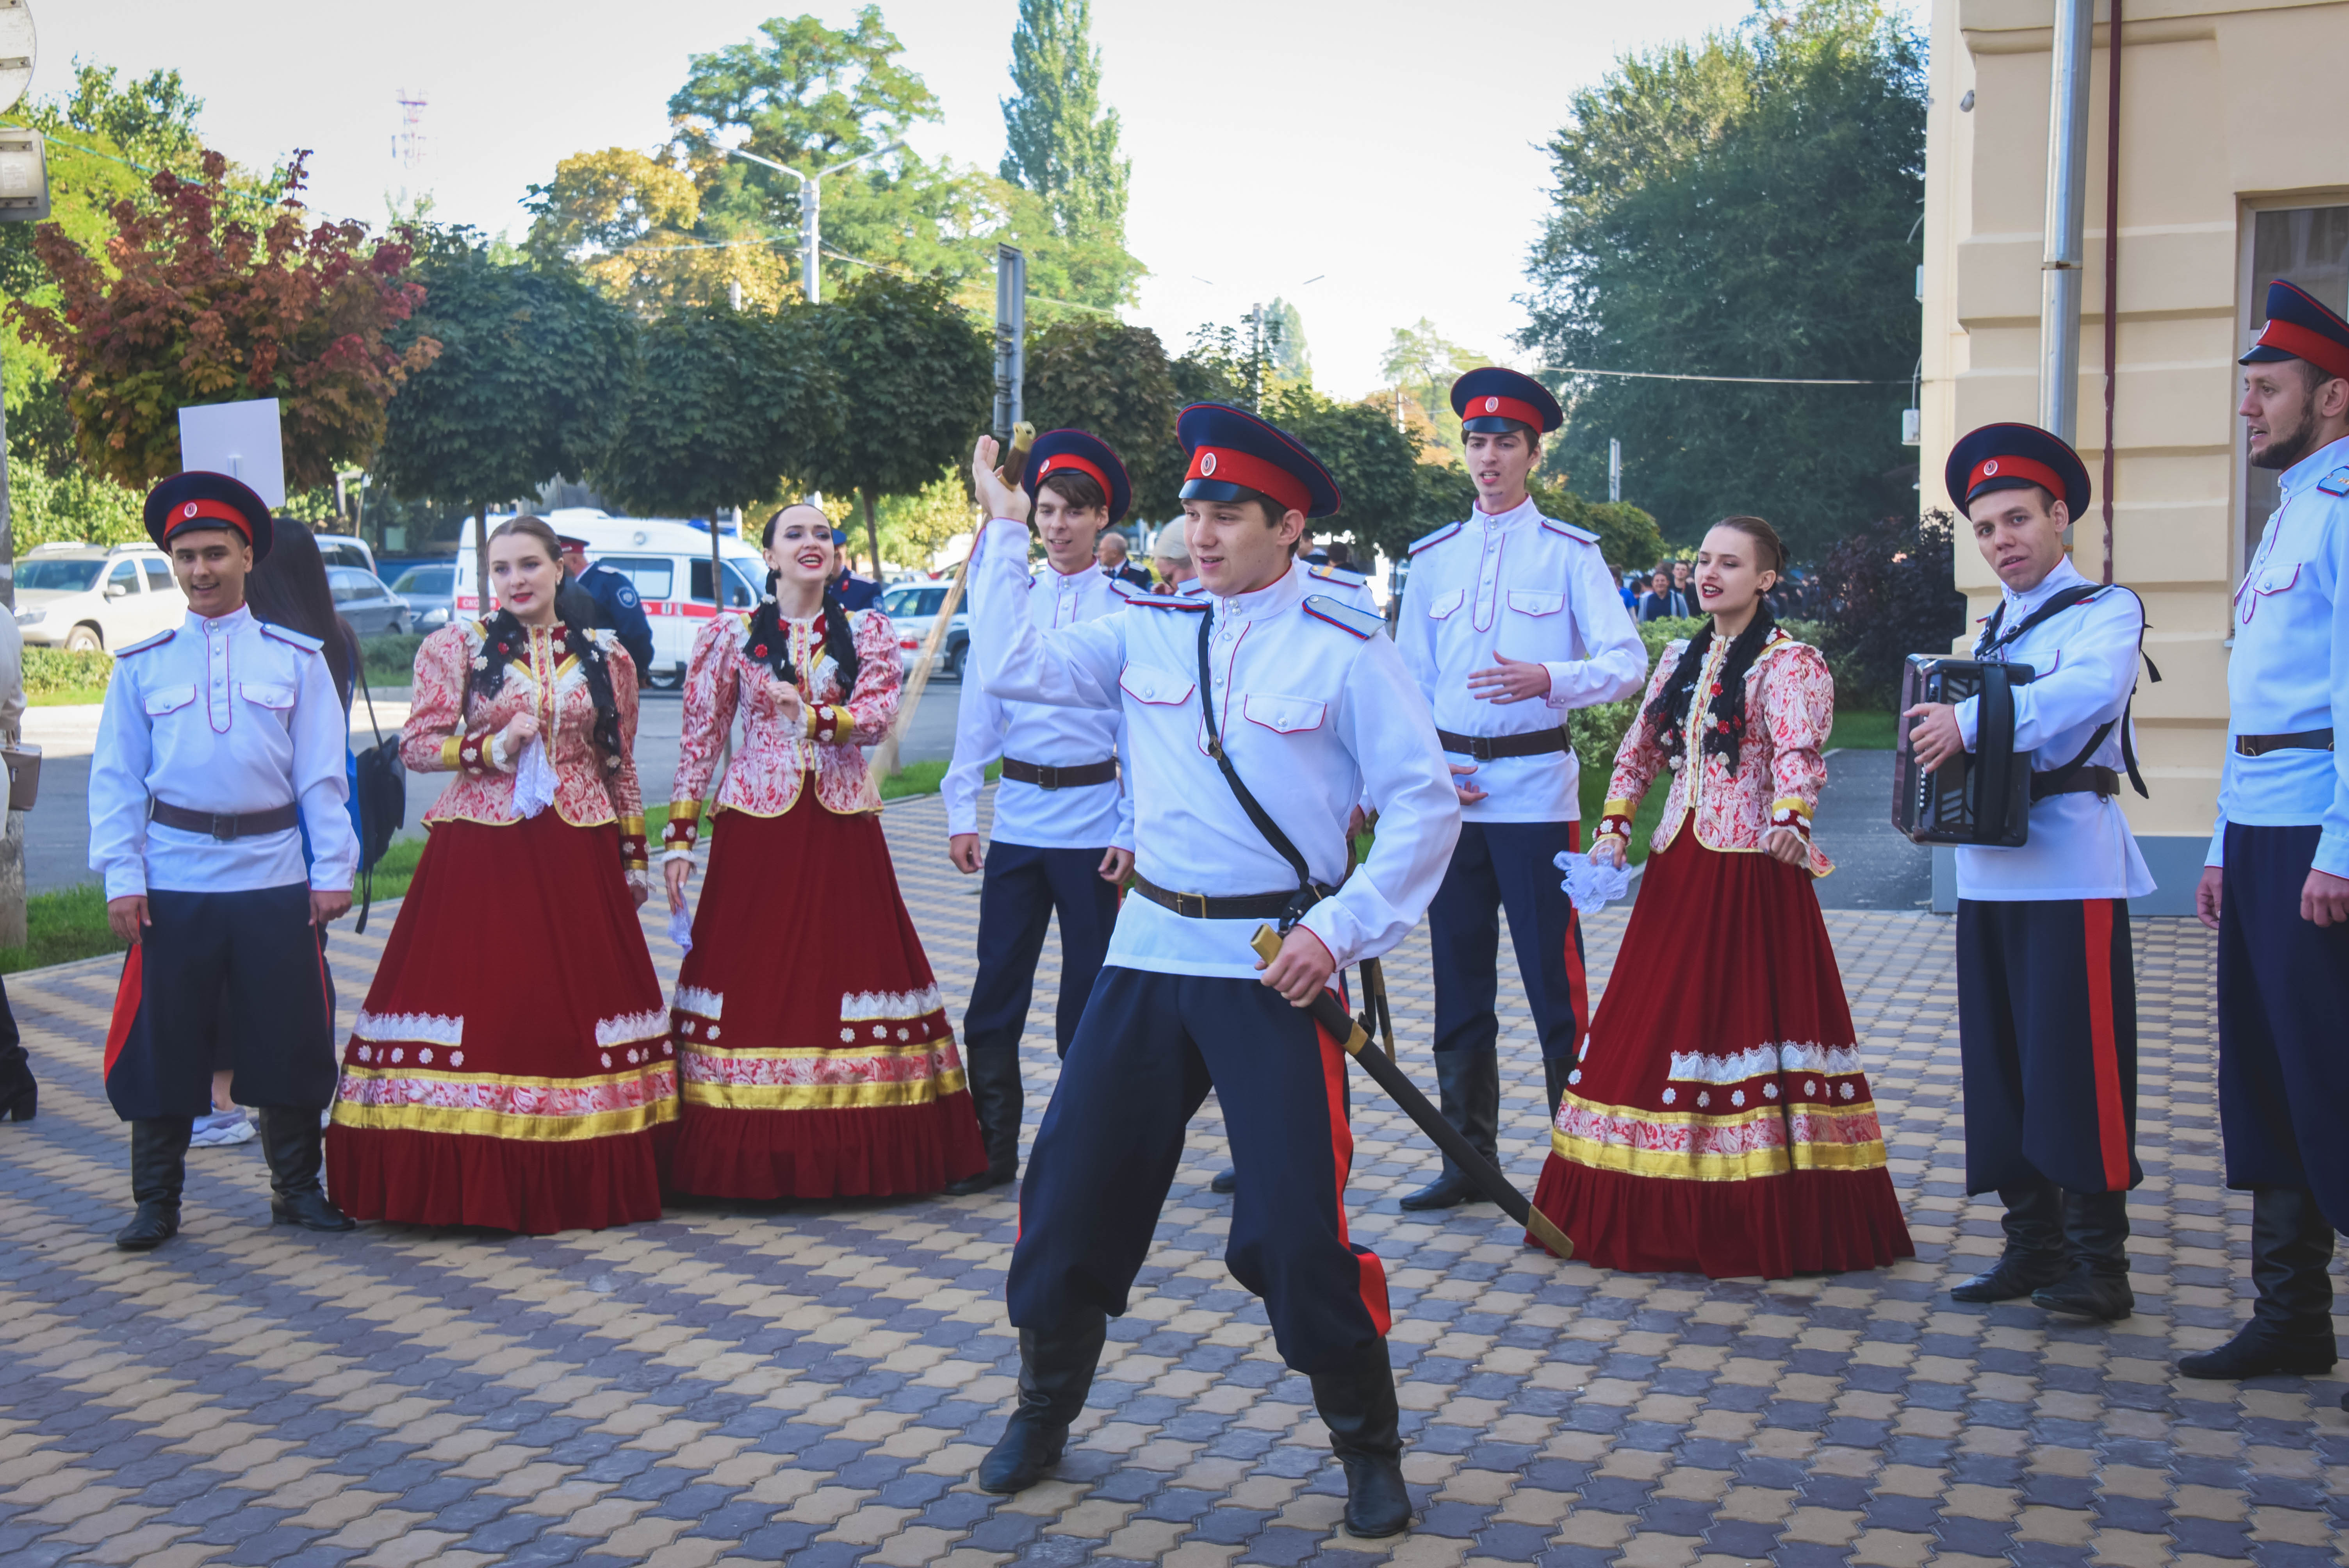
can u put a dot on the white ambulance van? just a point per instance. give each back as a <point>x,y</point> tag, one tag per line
<point>666,559</point>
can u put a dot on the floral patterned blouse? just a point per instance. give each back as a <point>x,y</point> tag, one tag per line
<point>1779,770</point>
<point>727,672</point>
<point>449,731</point>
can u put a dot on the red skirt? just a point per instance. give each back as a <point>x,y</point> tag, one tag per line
<point>1718,1121</point>
<point>511,1067</point>
<point>817,1059</point>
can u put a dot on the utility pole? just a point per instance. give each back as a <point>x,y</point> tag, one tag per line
<point>810,216</point>
<point>1011,342</point>
<point>23,199</point>
<point>1614,469</point>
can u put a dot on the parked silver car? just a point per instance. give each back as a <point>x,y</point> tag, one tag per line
<point>430,591</point>
<point>361,599</point>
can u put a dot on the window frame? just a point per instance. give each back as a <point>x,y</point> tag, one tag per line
<point>2239,542</point>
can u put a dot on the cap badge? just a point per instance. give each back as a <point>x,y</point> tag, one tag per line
<point>1492,405</point>
<point>189,509</point>
<point>1207,465</point>
<point>1990,466</point>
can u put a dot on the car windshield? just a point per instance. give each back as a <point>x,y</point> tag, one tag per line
<point>900,603</point>
<point>426,580</point>
<point>72,575</point>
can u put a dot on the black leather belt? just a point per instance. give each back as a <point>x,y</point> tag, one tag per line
<point>2261,745</point>
<point>1486,748</point>
<point>2102,781</point>
<point>225,825</point>
<point>1045,775</point>
<point>1199,906</point>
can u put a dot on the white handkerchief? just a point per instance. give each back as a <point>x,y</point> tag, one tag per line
<point>533,779</point>
<point>680,928</point>
<point>1593,887</point>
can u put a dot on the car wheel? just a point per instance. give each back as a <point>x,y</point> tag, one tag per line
<point>399,625</point>
<point>85,640</point>
<point>953,670</point>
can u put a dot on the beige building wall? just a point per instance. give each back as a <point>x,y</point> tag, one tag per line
<point>2221,114</point>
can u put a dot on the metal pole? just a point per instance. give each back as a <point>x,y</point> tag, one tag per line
<point>2067,196</point>
<point>810,240</point>
<point>2112,261</point>
<point>1614,469</point>
<point>1010,341</point>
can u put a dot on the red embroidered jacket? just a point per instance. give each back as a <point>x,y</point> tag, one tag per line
<point>770,767</point>
<point>1790,708</point>
<point>451,731</point>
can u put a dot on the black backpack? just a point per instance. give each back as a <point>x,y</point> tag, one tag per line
<point>379,789</point>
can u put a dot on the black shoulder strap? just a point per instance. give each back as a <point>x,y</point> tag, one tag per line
<point>2056,604</point>
<point>2045,784</point>
<point>1307,893</point>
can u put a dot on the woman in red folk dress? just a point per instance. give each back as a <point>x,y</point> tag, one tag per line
<point>511,1067</point>
<point>1718,1120</point>
<point>816,1058</point>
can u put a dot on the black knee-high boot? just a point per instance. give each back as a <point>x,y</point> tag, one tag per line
<point>159,1169</point>
<point>1470,1084</point>
<point>293,1141</point>
<point>994,1075</point>
<point>1056,1371</point>
<point>2035,1253</point>
<point>20,1097</point>
<point>2096,1225</point>
<point>2290,1330</point>
<point>1358,1404</point>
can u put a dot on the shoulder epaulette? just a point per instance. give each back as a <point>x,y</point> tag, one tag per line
<point>1166,602</point>
<point>1438,537</point>
<point>157,641</point>
<point>288,634</point>
<point>2334,483</point>
<point>1345,618</point>
<point>1337,574</point>
<point>1569,530</point>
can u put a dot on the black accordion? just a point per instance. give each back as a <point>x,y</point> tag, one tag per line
<point>1980,797</point>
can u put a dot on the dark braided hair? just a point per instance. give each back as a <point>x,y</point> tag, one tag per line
<point>770,647</point>
<point>503,635</point>
<point>1724,727</point>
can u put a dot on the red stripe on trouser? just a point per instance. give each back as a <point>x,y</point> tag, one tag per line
<point>1373,1284</point>
<point>126,1007</point>
<point>2104,1053</point>
<point>1577,983</point>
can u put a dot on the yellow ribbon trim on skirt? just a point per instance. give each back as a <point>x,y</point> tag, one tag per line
<point>822,1096</point>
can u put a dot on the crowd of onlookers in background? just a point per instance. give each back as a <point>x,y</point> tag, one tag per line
<point>1669,593</point>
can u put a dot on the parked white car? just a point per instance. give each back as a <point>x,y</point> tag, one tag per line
<point>912,608</point>
<point>87,597</point>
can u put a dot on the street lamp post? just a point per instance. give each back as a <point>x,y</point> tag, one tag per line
<point>811,210</point>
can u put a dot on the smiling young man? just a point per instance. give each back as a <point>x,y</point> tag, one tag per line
<point>2276,887</point>
<point>1257,715</point>
<point>221,739</point>
<point>1511,621</point>
<point>2046,984</point>
<point>1063,839</point>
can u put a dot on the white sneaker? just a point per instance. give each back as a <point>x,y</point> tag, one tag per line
<point>221,1129</point>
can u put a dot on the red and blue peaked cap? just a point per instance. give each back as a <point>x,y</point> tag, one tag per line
<point>200,499</point>
<point>1493,399</point>
<point>1082,452</point>
<point>2009,457</point>
<point>2299,327</point>
<point>1233,450</point>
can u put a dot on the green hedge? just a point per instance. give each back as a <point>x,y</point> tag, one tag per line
<point>391,658</point>
<point>50,670</point>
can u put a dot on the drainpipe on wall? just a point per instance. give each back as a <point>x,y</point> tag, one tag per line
<point>2112,258</point>
<point>2068,194</point>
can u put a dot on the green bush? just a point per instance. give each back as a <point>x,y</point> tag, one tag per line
<point>77,506</point>
<point>49,670</point>
<point>390,658</point>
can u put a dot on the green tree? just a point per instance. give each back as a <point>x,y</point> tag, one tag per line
<point>526,385</point>
<point>1061,143</point>
<point>918,377</point>
<point>1743,206</point>
<point>1091,373</point>
<point>1422,364</point>
<point>1283,329</point>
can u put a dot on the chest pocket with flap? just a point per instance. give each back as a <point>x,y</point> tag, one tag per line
<point>1287,715</point>
<point>1159,688</point>
<point>169,699</point>
<point>1528,602</point>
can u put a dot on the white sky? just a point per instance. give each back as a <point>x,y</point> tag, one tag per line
<point>1377,146</point>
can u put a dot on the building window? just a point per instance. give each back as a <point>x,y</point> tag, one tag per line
<point>2310,246</point>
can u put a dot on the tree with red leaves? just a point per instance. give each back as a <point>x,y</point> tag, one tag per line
<point>192,306</point>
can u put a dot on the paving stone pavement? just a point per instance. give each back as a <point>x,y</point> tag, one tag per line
<point>814,1384</point>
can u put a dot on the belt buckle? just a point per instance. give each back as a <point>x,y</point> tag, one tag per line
<point>1194,905</point>
<point>1048,776</point>
<point>1480,748</point>
<point>224,828</point>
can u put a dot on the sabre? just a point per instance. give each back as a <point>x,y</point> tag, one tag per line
<point>1349,1032</point>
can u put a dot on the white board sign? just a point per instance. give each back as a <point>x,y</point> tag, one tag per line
<point>239,439</point>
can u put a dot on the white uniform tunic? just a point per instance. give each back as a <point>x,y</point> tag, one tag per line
<point>225,716</point>
<point>2290,670</point>
<point>1349,588</point>
<point>1312,704</point>
<point>1535,589</point>
<point>2084,662</point>
<point>1090,816</point>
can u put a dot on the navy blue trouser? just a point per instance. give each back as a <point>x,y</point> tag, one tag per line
<point>247,962</point>
<point>1024,887</point>
<point>1511,866</point>
<point>1147,1052</point>
<point>2047,1043</point>
<point>2283,1023</point>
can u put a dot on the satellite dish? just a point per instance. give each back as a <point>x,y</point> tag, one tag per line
<point>16,51</point>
